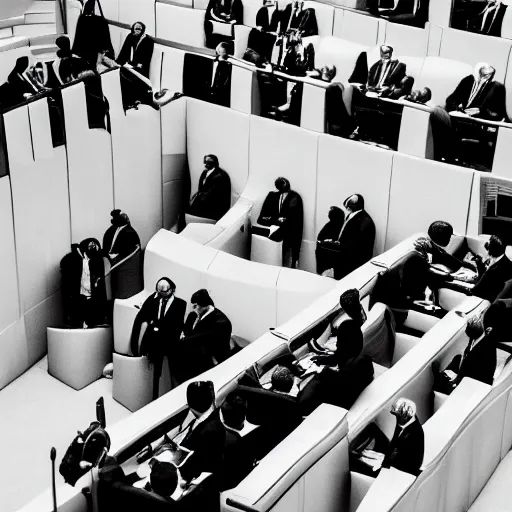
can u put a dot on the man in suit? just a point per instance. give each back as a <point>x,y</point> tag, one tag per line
<point>407,446</point>
<point>477,96</point>
<point>406,12</point>
<point>478,361</point>
<point>213,197</point>
<point>237,461</point>
<point>296,18</point>
<point>137,49</point>
<point>283,213</point>
<point>205,341</point>
<point>496,270</point>
<point>163,313</point>
<point>354,246</point>
<point>83,285</point>
<point>489,21</point>
<point>121,244</point>
<point>205,434</point>
<point>384,76</point>
<point>220,84</point>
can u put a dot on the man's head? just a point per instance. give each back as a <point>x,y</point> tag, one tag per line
<point>90,246</point>
<point>163,477</point>
<point>404,410</point>
<point>484,71</point>
<point>282,185</point>
<point>64,46</point>
<point>298,5</point>
<point>201,301</point>
<point>350,303</point>
<point>386,52</point>
<point>440,232</point>
<point>354,203</point>
<point>138,28</point>
<point>200,396</point>
<point>327,73</point>
<point>423,245</point>
<point>336,214</point>
<point>474,328</point>
<point>233,411</point>
<point>211,162</point>
<point>222,51</point>
<point>119,218</point>
<point>495,246</point>
<point>165,287</point>
<point>282,380</point>
<point>421,95</point>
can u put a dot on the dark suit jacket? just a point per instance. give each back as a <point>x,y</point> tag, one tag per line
<point>203,347</point>
<point>355,243</point>
<point>394,77</point>
<point>142,54</point>
<point>220,90</point>
<point>213,197</point>
<point>232,9</point>
<point>88,47</point>
<point>492,25</point>
<point>293,213</point>
<point>305,22</point>
<point>493,280</point>
<point>236,461</point>
<point>490,100</point>
<point>405,451</point>
<point>337,120</point>
<point>506,292</point>
<point>207,443</point>
<point>480,362</point>
<point>126,242</point>
<point>161,342</point>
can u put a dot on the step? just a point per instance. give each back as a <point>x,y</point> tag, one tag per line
<point>5,32</point>
<point>34,29</point>
<point>43,39</point>
<point>41,6</point>
<point>10,43</point>
<point>12,22</point>
<point>41,50</point>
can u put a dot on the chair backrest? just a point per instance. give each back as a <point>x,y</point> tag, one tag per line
<point>378,335</point>
<point>324,17</point>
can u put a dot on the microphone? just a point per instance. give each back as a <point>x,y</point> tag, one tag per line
<point>53,454</point>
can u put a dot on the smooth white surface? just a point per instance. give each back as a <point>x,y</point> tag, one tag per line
<point>356,28</point>
<point>180,24</point>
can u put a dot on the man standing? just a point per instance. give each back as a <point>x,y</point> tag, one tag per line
<point>283,213</point>
<point>356,240</point>
<point>206,338</point>
<point>220,83</point>
<point>213,197</point>
<point>163,313</point>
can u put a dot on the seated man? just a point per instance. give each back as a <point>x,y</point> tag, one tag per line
<point>201,432</point>
<point>163,479</point>
<point>331,231</point>
<point>83,285</point>
<point>237,462</point>
<point>227,12</point>
<point>478,361</point>
<point>283,213</point>
<point>262,38</point>
<point>299,20</point>
<point>407,446</point>
<point>406,12</point>
<point>137,49</point>
<point>384,77</point>
<point>205,341</point>
<point>354,246</point>
<point>489,21</point>
<point>477,96</point>
<point>213,197</point>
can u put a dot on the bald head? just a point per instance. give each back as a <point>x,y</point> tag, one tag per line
<point>354,203</point>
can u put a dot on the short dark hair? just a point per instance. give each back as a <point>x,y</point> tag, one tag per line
<point>141,24</point>
<point>282,184</point>
<point>355,202</point>
<point>170,282</point>
<point>282,379</point>
<point>201,395</point>
<point>163,478</point>
<point>223,45</point>
<point>428,93</point>
<point>201,298</point>
<point>474,328</point>
<point>495,246</point>
<point>350,302</point>
<point>440,232</point>
<point>214,158</point>
<point>234,410</point>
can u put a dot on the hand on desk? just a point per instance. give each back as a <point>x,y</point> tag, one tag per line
<point>472,111</point>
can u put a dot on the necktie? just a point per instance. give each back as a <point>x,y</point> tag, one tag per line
<point>383,73</point>
<point>281,201</point>
<point>488,19</point>
<point>163,304</point>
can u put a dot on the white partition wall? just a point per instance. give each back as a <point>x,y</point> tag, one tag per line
<point>137,161</point>
<point>131,11</point>
<point>423,191</point>
<point>40,201</point>
<point>224,132</point>
<point>174,160</point>
<point>89,168</point>
<point>278,149</point>
<point>355,27</point>
<point>180,24</point>
<point>346,168</point>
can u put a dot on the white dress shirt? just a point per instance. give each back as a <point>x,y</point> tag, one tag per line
<point>85,283</point>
